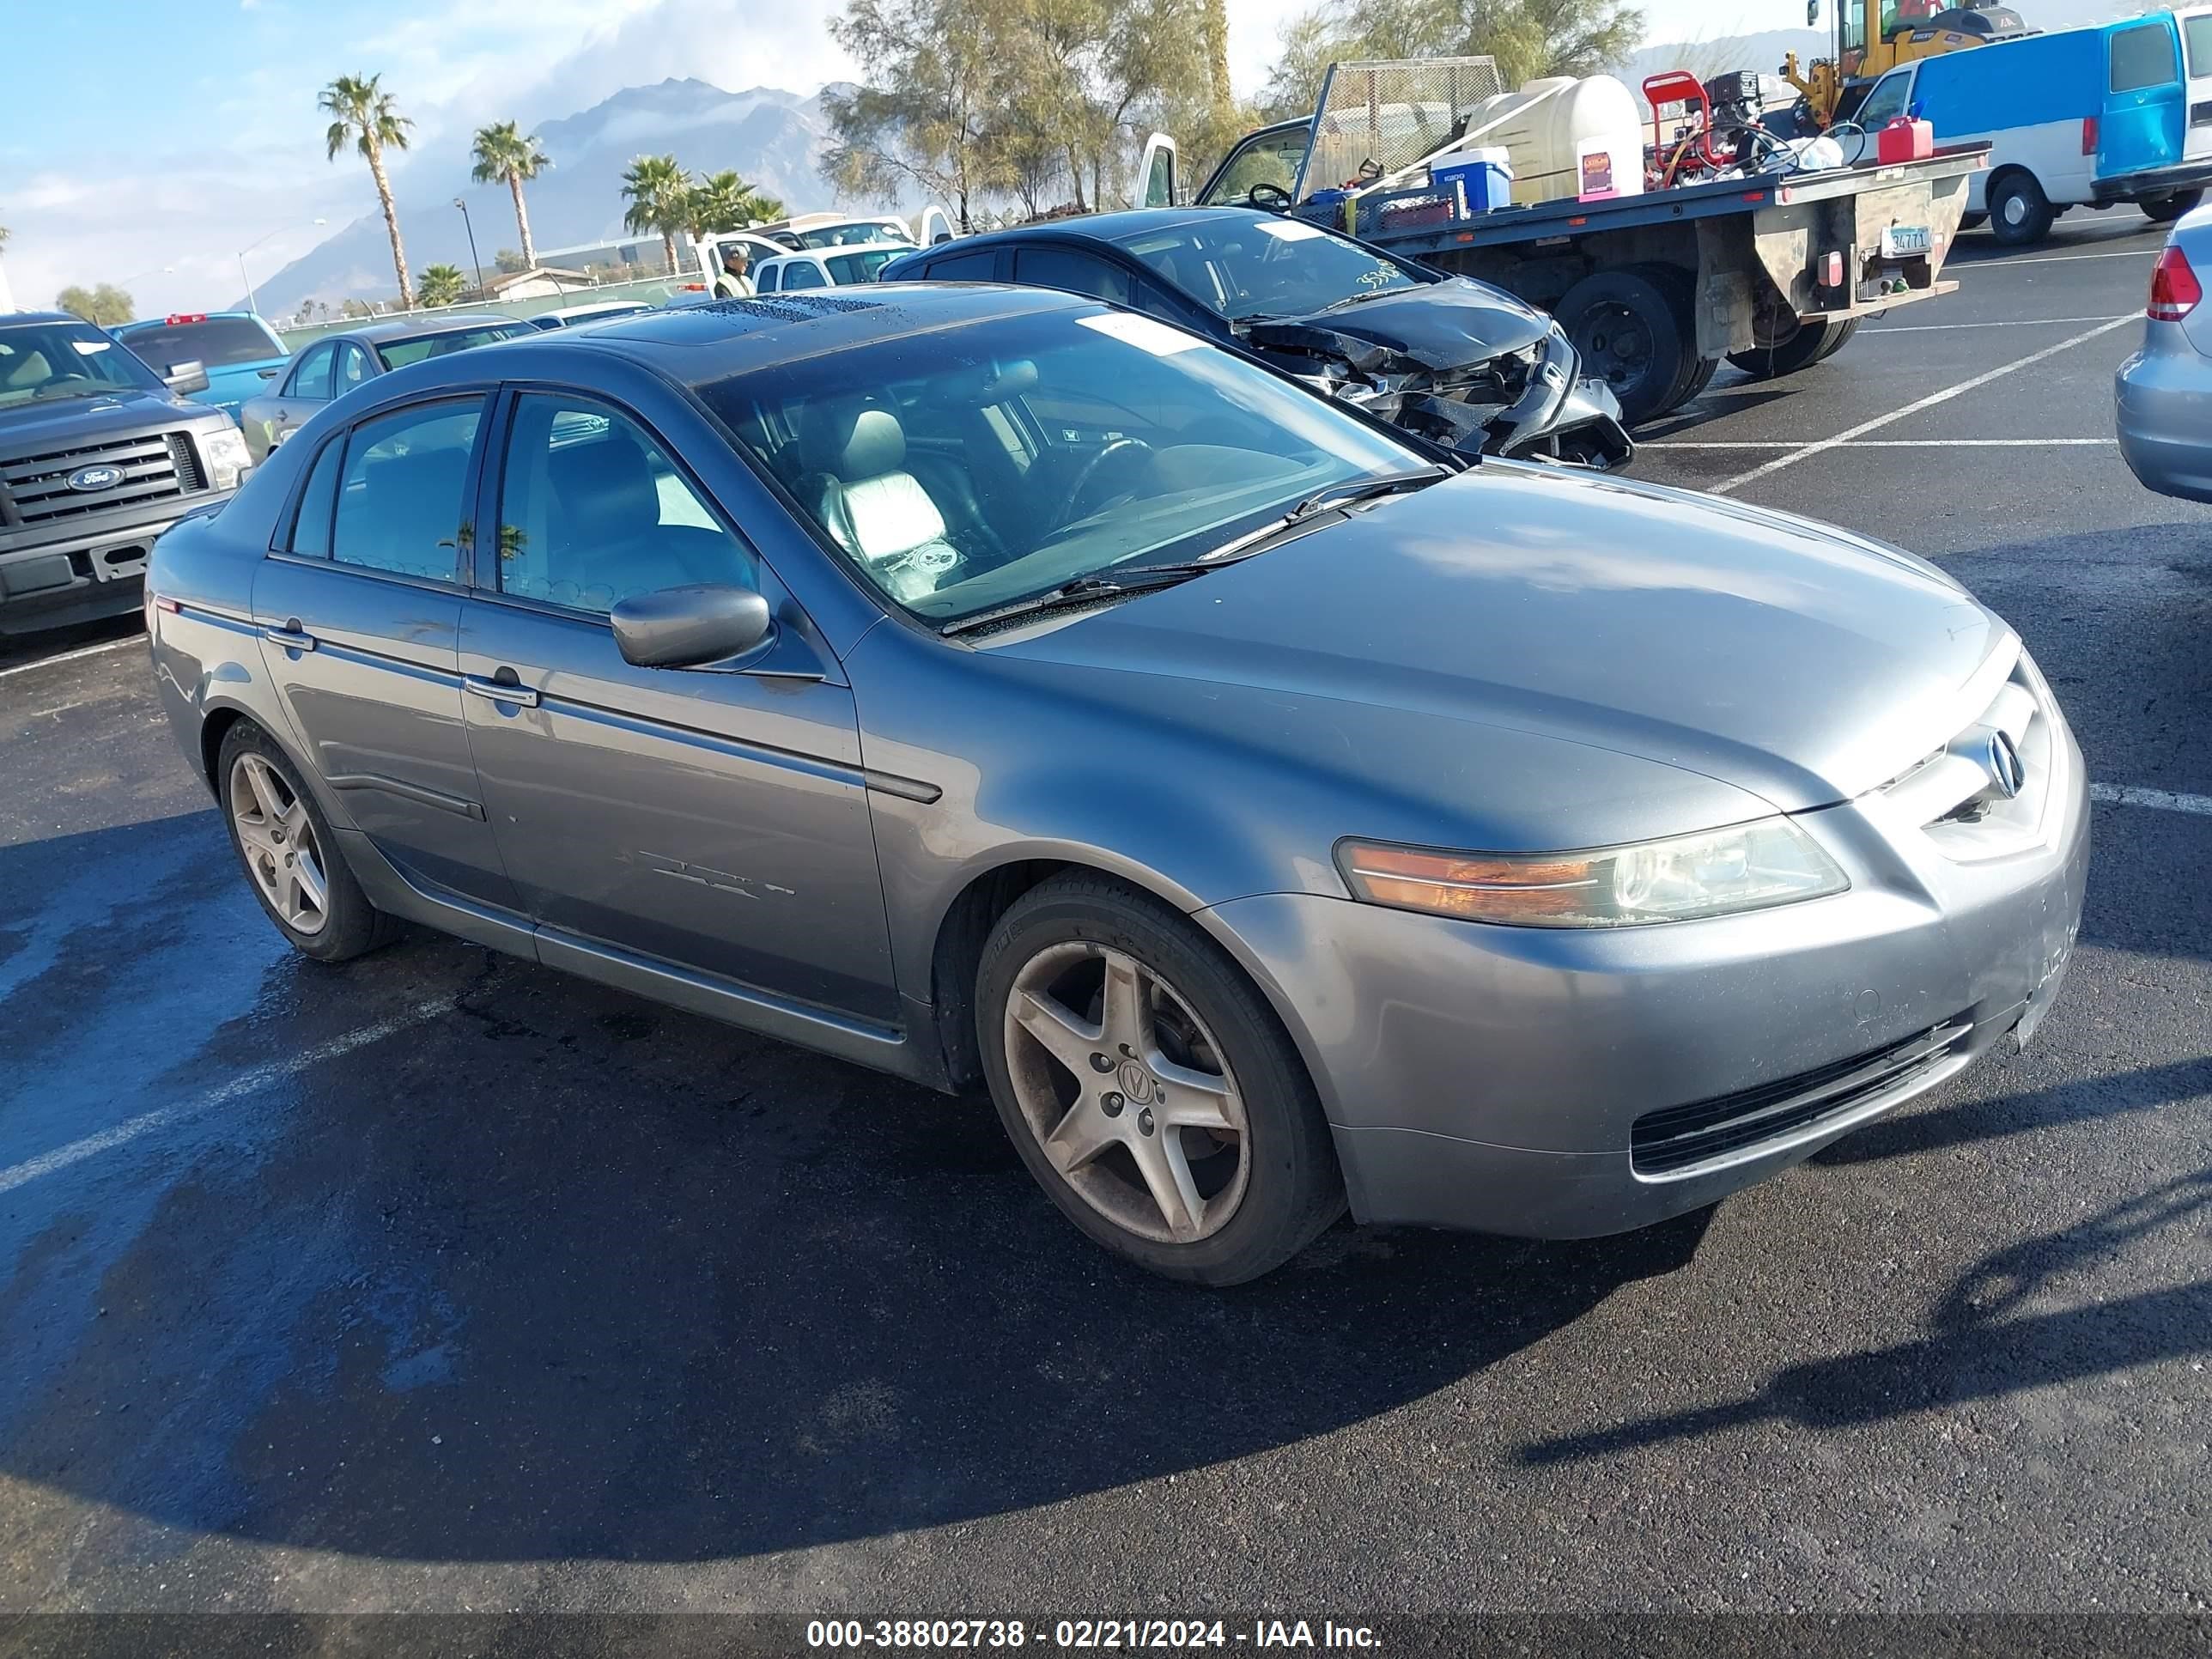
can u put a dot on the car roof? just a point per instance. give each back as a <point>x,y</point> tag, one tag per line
<point>1110,227</point>
<point>402,328</point>
<point>697,345</point>
<point>842,248</point>
<point>177,318</point>
<point>7,317</point>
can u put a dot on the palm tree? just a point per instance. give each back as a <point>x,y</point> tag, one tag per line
<point>443,285</point>
<point>363,111</point>
<point>659,200</point>
<point>504,153</point>
<point>723,201</point>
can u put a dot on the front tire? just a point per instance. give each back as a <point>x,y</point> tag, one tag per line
<point>1631,333</point>
<point>291,858</point>
<point>1149,1088</point>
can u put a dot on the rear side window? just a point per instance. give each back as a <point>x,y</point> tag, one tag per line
<point>214,343</point>
<point>2197,32</point>
<point>397,354</point>
<point>311,376</point>
<point>803,273</point>
<point>1075,273</point>
<point>768,278</point>
<point>352,370</point>
<point>311,526</point>
<point>399,497</point>
<point>2143,56</point>
<point>976,267</point>
<point>859,267</point>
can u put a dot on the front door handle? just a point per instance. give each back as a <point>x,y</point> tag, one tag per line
<point>521,696</point>
<point>291,636</point>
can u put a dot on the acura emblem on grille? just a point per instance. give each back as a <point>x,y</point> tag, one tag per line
<point>96,477</point>
<point>2007,774</point>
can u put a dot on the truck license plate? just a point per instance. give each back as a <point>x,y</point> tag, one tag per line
<point>1901,240</point>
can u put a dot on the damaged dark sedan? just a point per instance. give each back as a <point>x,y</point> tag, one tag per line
<point>1449,359</point>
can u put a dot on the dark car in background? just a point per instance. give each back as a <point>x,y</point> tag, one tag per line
<point>240,352</point>
<point>98,456</point>
<point>1452,360</point>
<point>329,367</point>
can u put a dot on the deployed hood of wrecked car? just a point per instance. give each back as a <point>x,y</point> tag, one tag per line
<point>1438,326</point>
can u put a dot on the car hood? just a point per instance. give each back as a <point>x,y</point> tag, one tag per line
<point>67,419</point>
<point>1438,326</point>
<point>1788,660</point>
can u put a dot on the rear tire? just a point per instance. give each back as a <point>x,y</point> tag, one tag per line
<point>289,854</point>
<point>1629,328</point>
<point>2019,213</point>
<point>1148,1086</point>
<point>2165,209</point>
<point>1801,351</point>
<point>1972,221</point>
<point>1839,335</point>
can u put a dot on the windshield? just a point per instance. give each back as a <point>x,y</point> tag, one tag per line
<point>397,354</point>
<point>47,362</point>
<point>217,342</point>
<point>852,235</point>
<point>964,469</point>
<point>1272,159</point>
<point>1244,268</point>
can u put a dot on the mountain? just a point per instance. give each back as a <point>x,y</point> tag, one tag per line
<point>773,138</point>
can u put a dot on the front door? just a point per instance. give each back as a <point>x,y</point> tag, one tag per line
<point>2143,121</point>
<point>359,612</point>
<point>710,819</point>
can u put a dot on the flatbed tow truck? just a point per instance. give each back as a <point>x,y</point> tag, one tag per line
<point>1772,269</point>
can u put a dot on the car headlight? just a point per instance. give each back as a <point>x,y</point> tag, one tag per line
<point>223,448</point>
<point>1748,866</point>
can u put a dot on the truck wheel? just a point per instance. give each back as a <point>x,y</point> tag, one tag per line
<point>1801,351</point>
<point>1626,328</point>
<point>1972,221</point>
<point>2165,209</point>
<point>1837,334</point>
<point>2019,213</point>
<point>1701,378</point>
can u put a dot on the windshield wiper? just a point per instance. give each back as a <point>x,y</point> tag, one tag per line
<point>1136,578</point>
<point>1352,491</point>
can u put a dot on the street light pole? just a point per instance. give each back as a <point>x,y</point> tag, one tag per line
<point>252,304</point>
<point>473,260</point>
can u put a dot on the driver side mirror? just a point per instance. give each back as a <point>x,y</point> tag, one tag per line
<point>186,378</point>
<point>690,627</point>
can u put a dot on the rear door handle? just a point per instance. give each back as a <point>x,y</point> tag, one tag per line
<point>291,637</point>
<point>521,696</point>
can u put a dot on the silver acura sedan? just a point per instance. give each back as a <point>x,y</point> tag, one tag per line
<point>1012,692</point>
<point>2164,392</point>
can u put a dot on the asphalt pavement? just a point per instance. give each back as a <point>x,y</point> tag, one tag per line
<point>440,1281</point>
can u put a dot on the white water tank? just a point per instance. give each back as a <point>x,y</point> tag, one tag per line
<point>1552,123</point>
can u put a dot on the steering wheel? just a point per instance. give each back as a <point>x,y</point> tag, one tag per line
<point>1122,452</point>
<point>1273,198</point>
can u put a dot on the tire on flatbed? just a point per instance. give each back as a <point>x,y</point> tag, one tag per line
<point>1803,350</point>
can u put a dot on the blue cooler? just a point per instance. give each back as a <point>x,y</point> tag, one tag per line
<point>1476,185</point>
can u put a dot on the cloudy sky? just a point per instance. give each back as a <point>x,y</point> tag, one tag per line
<point>154,166</point>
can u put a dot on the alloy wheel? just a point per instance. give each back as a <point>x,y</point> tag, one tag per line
<point>1130,1098</point>
<point>278,841</point>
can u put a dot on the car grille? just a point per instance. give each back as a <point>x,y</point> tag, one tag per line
<point>1682,1140</point>
<point>34,489</point>
<point>1958,796</point>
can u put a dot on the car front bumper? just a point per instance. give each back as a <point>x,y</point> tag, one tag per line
<point>2162,401</point>
<point>80,570</point>
<point>1518,1081</point>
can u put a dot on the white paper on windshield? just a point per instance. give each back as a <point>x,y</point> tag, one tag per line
<point>1156,337</point>
<point>1288,230</point>
<point>91,347</point>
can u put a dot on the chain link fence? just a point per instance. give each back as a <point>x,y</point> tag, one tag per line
<point>1376,119</point>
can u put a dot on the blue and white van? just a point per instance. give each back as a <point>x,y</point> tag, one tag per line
<point>2114,113</point>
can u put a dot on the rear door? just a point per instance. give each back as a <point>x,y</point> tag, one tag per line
<point>2196,66</point>
<point>359,606</point>
<point>2145,116</point>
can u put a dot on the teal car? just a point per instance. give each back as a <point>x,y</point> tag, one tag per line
<point>241,352</point>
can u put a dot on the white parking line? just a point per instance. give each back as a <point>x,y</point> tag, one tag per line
<point>2058,258</point>
<point>71,656</point>
<point>1883,443</point>
<point>1928,402</point>
<point>2007,322</point>
<point>244,1083</point>
<point>2124,794</point>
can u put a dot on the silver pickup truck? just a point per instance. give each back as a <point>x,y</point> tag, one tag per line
<point>98,456</point>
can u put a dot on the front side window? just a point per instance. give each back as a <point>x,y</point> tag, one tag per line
<point>400,496</point>
<point>896,453</point>
<point>211,342</point>
<point>311,376</point>
<point>1886,101</point>
<point>1246,268</point>
<point>1071,272</point>
<point>592,511</point>
<point>48,361</point>
<point>2143,56</point>
<point>397,354</point>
